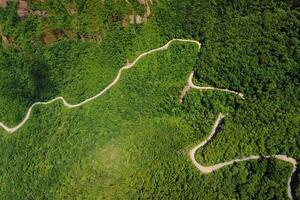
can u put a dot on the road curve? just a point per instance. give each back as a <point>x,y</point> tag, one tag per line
<point>68,105</point>
<point>201,168</point>
<point>212,168</point>
<point>192,85</point>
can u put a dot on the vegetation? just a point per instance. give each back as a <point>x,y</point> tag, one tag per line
<point>132,143</point>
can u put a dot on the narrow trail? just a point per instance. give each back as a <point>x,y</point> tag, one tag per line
<point>68,105</point>
<point>212,168</point>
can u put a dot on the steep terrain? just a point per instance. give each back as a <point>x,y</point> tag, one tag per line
<point>134,141</point>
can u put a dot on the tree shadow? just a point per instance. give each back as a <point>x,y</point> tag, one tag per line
<point>295,180</point>
<point>40,83</point>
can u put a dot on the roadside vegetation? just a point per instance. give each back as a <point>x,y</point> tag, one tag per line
<point>133,142</point>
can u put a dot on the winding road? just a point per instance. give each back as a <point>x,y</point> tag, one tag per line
<point>201,168</point>
<point>210,169</point>
<point>68,105</point>
<point>191,84</point>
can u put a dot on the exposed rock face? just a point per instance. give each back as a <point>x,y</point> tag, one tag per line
<point>71,11</point>
<point>3,3</point>
<point>22,9</point>
<point>6,40</point>
<point>138,19</point>
<point>142,2</point>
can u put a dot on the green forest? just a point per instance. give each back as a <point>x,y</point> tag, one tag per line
<point>133,142</point>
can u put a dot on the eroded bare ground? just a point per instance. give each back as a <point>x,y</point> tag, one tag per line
<point>49,37</point>
<point>183,93</point>
<point>24,10</point>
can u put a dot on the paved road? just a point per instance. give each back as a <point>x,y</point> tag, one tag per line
<point>203,169</point>
<point>191,84</point>
<point>212,168</point>
<point>68,105</point>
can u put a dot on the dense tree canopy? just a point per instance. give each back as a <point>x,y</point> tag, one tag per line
<point>132,143</point>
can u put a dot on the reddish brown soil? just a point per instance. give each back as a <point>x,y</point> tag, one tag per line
<point>52,36</point>
<point>125,22</point>
<point>3,3</point>
<point>22,9</point>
